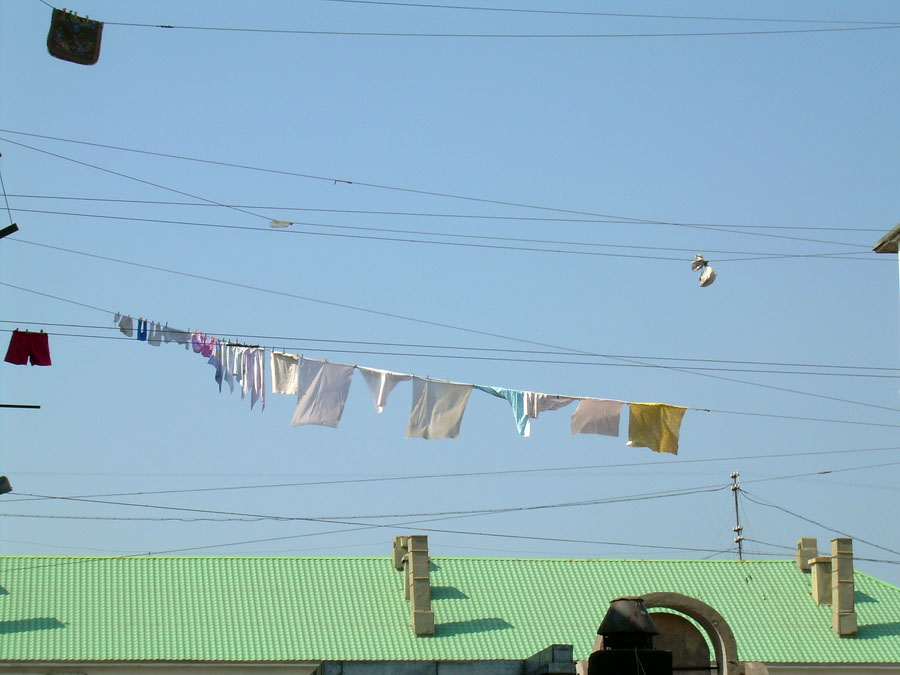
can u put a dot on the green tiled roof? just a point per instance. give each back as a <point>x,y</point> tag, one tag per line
<point>232,609</point>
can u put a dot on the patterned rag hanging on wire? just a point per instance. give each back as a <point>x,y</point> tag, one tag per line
<point>73,38</point>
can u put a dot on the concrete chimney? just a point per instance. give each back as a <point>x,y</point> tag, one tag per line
<point>821,579</point>
<point>807,549</point>
<point>843,614</point>
<point>411,555</point>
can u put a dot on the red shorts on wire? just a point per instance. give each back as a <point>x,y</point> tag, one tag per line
<point>23,346</point>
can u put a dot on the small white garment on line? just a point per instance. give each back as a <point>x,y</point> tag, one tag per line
<point>597,416</point>
<point>437,408</point>
<point>536,403</point>
<point>285,372</point>
<point>253,375</point>
<point>381,383</point>
<point>228,365</point>
<point>126,325</point>
<point>322,389</point>
<point>154,334</point>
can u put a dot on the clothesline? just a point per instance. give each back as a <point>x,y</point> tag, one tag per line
<point>438,406</point>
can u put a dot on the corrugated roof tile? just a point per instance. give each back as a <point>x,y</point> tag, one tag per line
<point>297,609</point>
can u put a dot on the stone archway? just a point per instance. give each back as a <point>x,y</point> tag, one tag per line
<point>718,630</point>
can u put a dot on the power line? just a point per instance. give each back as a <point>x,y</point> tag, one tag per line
<point>454,327</point>
<point>157,519</point>
<point>520,36</point>
<point>56,297</point>
<point>355,524</point>
<point>335,181</point>
<point>467,512</point>
<point>796,417</point>
<point>328,179</point>
<point>842,255</point>
<point>761,502</point>
<point>464,357</point>
<point>470,474</point>
<point>428,214</point>
<point>821,473</point>
<point>280,338</point>
<point>444,325</point>
<point>605,14</point>
<point>696,372</point>
<point>577,13</point>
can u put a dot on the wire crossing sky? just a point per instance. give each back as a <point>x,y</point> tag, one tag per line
<point>504,193</point>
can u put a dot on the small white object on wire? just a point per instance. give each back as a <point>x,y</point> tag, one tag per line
<point>280,223</point>
<point>707,273</point>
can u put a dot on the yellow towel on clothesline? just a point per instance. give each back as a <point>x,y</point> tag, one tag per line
<point>655,426</point>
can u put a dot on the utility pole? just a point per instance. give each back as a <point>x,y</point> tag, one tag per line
<point>738,528</point>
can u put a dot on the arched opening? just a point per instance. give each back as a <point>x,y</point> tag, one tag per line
<point>690,651</point>
<point>715,626</point>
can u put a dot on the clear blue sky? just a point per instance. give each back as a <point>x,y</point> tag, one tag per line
<point>744,148</point>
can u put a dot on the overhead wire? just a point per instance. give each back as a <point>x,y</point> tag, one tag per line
<point>355,524</point>
<point>328,179</point>
<point>449,326</point>
<point>681,492</point>
<point>383,525</point>
<point>841,255</point>
<point>824,472</point>
<point>467,474</point>
<point>518,36</point>
<point>424,214</point>
<point>623,219</point>
<point>699,371</point>
<point>518,10</point>
<point>762,502</point>
<point>585,13</point>
<point>439,324</point>
<point>279,342</point>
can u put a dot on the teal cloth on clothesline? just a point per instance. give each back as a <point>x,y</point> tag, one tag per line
<point>516,399</point>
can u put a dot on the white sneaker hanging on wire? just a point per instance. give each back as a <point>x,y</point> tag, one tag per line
<point>708,274</point>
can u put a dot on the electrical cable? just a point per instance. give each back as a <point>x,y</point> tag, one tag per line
<point>133,178</point>
<point>327,179</point>
<point>477,512</point>
<point>367,525</point>
<point>841,255</point>
<point>282,338</point>
<point>335,181</point>
<point>470,512</point>
<point>450,326</point>
<point>426,214</point>
<point>451,356</point>
<point>471,474</point>
<point>605,14</point>
<point>56,297</point>
<point>594,36</point>
<point>796,417</point>
<point>761,502</point>
<point>467,357</point>
<point>819,473</point>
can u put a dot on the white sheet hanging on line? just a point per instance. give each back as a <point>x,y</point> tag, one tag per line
<point>253,375</point>
<point>437,408</point>
<point>285,372</point>
<point>536,403</point>
<point>322,390</point>
<point>597,416</point>
<point>381,383</point>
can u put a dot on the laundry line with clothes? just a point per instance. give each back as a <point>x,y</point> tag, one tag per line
<point>322,387</point>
